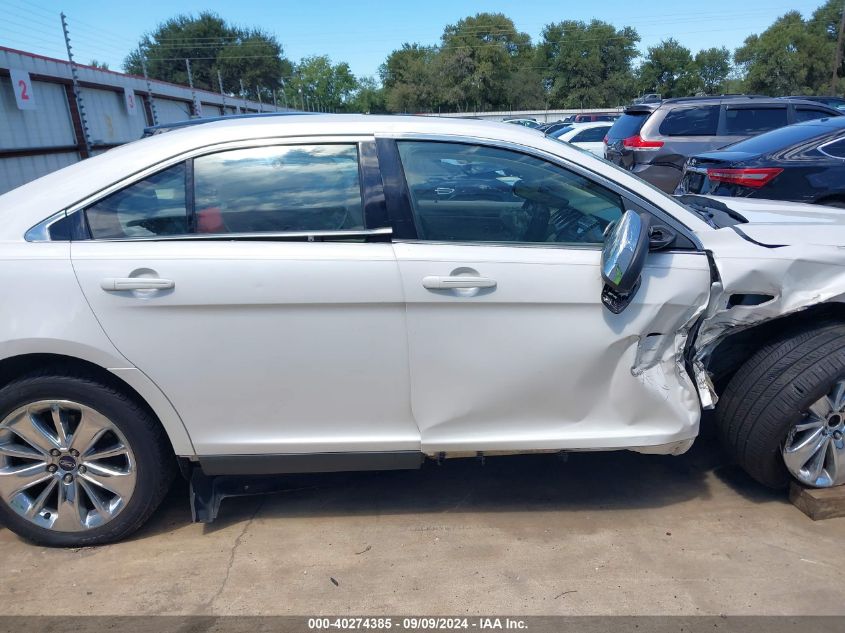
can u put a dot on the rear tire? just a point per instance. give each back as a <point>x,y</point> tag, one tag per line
<point>771,395</point>
<point>128,454</point>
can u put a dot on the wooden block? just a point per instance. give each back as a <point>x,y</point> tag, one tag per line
<point>818,503</point>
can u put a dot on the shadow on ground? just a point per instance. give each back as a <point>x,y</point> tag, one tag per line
<point>523,483</point>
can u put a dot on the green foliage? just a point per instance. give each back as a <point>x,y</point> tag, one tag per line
<point>319,85</point>
<point>669,69</point>
<point>713,66</point>
<point>369,98</point>
<point>101,65</point>
<point>409,77</point>
<point>212,45</point>
<point>587,65</point>
<point>793,56</point>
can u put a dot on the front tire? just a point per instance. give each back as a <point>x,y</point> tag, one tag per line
<point>81,462</point>
<point>783,413</point>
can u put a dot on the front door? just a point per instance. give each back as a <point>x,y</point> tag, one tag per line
<point>510,346</point>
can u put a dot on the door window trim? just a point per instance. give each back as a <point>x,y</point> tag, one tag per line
<point>40,232</point>
<point>399,202</point>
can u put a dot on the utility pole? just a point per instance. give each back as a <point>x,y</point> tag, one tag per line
<point>243,93</point>
<point>837,55</point>
<point>260,104</point>
<point>284,93</point>
<point>86,138</point>
<point>195,106</point>
<point>222,94</point>
<point>149,86</point>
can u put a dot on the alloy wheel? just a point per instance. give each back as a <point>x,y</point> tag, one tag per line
<point>814,450</point>
<point>64,466</point>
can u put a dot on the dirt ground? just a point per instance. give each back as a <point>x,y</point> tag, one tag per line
<point>611,533</point>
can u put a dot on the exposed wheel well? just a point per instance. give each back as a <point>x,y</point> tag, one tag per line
<point>732,352</point>
<point>17,366</point>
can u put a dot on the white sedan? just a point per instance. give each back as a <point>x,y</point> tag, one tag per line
<point>587,136</point>
<point>321,293</point>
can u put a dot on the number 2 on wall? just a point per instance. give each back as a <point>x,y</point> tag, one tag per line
<point>24,93</point>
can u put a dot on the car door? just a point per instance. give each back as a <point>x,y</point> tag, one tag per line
<point>257,299</point>
<point>510,347</point>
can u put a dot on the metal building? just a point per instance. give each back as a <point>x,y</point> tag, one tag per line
<point>41,124</point>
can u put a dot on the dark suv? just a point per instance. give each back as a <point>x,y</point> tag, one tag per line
<point>654,140</point>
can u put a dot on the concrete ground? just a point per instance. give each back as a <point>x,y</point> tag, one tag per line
<point>613,533</point>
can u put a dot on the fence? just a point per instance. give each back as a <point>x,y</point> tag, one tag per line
<point>43,128</point>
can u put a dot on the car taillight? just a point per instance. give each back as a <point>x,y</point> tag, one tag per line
<point>751,177</point>
<point>638,142</point>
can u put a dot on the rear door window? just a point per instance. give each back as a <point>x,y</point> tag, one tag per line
<point>592,135</point>
<point>152,207</point>
<point>698,121</point>
<point>278,189</point>
<point>750,121</point>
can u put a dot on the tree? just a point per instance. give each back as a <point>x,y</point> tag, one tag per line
<point>713,66</point>
<point>824,24</point>
<point>317,84</point>
<point>587,65</point>
<point>409,79</point>
<point>212,45</point>
<point>478,58</point>
<point>787,58</point>
<point>101,65</point>
<point>670,70</point>
<point>369,98</point>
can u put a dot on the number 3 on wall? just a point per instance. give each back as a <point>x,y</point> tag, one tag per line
<point>23,89</point>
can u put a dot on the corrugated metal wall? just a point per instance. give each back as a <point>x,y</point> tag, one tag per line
<point>36,142</point>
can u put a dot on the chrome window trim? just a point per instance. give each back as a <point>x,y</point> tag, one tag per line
<point>335,139</point>
<point>269,236</point>
<point>585,172</point>
<point>41,231</point>
<point>836,140</point>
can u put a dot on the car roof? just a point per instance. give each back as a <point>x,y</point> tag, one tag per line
<point>166,127</point>
<point>646,108</point>
<point>29,204</point>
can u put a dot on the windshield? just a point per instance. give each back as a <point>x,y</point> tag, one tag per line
<point>561,131</point>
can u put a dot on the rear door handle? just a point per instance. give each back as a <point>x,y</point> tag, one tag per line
<point>116,284</point>
<point>434,282</point>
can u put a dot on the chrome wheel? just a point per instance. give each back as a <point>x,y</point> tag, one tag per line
<point>814,450</point>
<point>64,466</point>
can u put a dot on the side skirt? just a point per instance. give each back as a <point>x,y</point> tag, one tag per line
<point>216,477</point>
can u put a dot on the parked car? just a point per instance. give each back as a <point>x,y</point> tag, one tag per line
<point>551,128</point>
<point>804,162</point>
<point>589,118</point>
<point>525,122</point>
<point>263,296</point>
<point>653,141</point>
<point>833,102</point>
<point>587,136</point>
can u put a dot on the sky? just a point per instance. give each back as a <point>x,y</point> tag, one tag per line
<point>364,32</point>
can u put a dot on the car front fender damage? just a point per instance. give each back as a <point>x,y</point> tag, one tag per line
<point>750,291</point>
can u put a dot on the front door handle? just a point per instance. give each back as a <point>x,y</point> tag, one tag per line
<point>434,282</point>
<point>113,284</point>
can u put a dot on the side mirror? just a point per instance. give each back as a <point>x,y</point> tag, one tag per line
<point>626,245</point>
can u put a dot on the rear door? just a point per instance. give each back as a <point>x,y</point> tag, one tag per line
<point>510,347</point>
<point>247,284</point>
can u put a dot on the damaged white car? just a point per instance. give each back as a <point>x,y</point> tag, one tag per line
<point>273,295</point>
